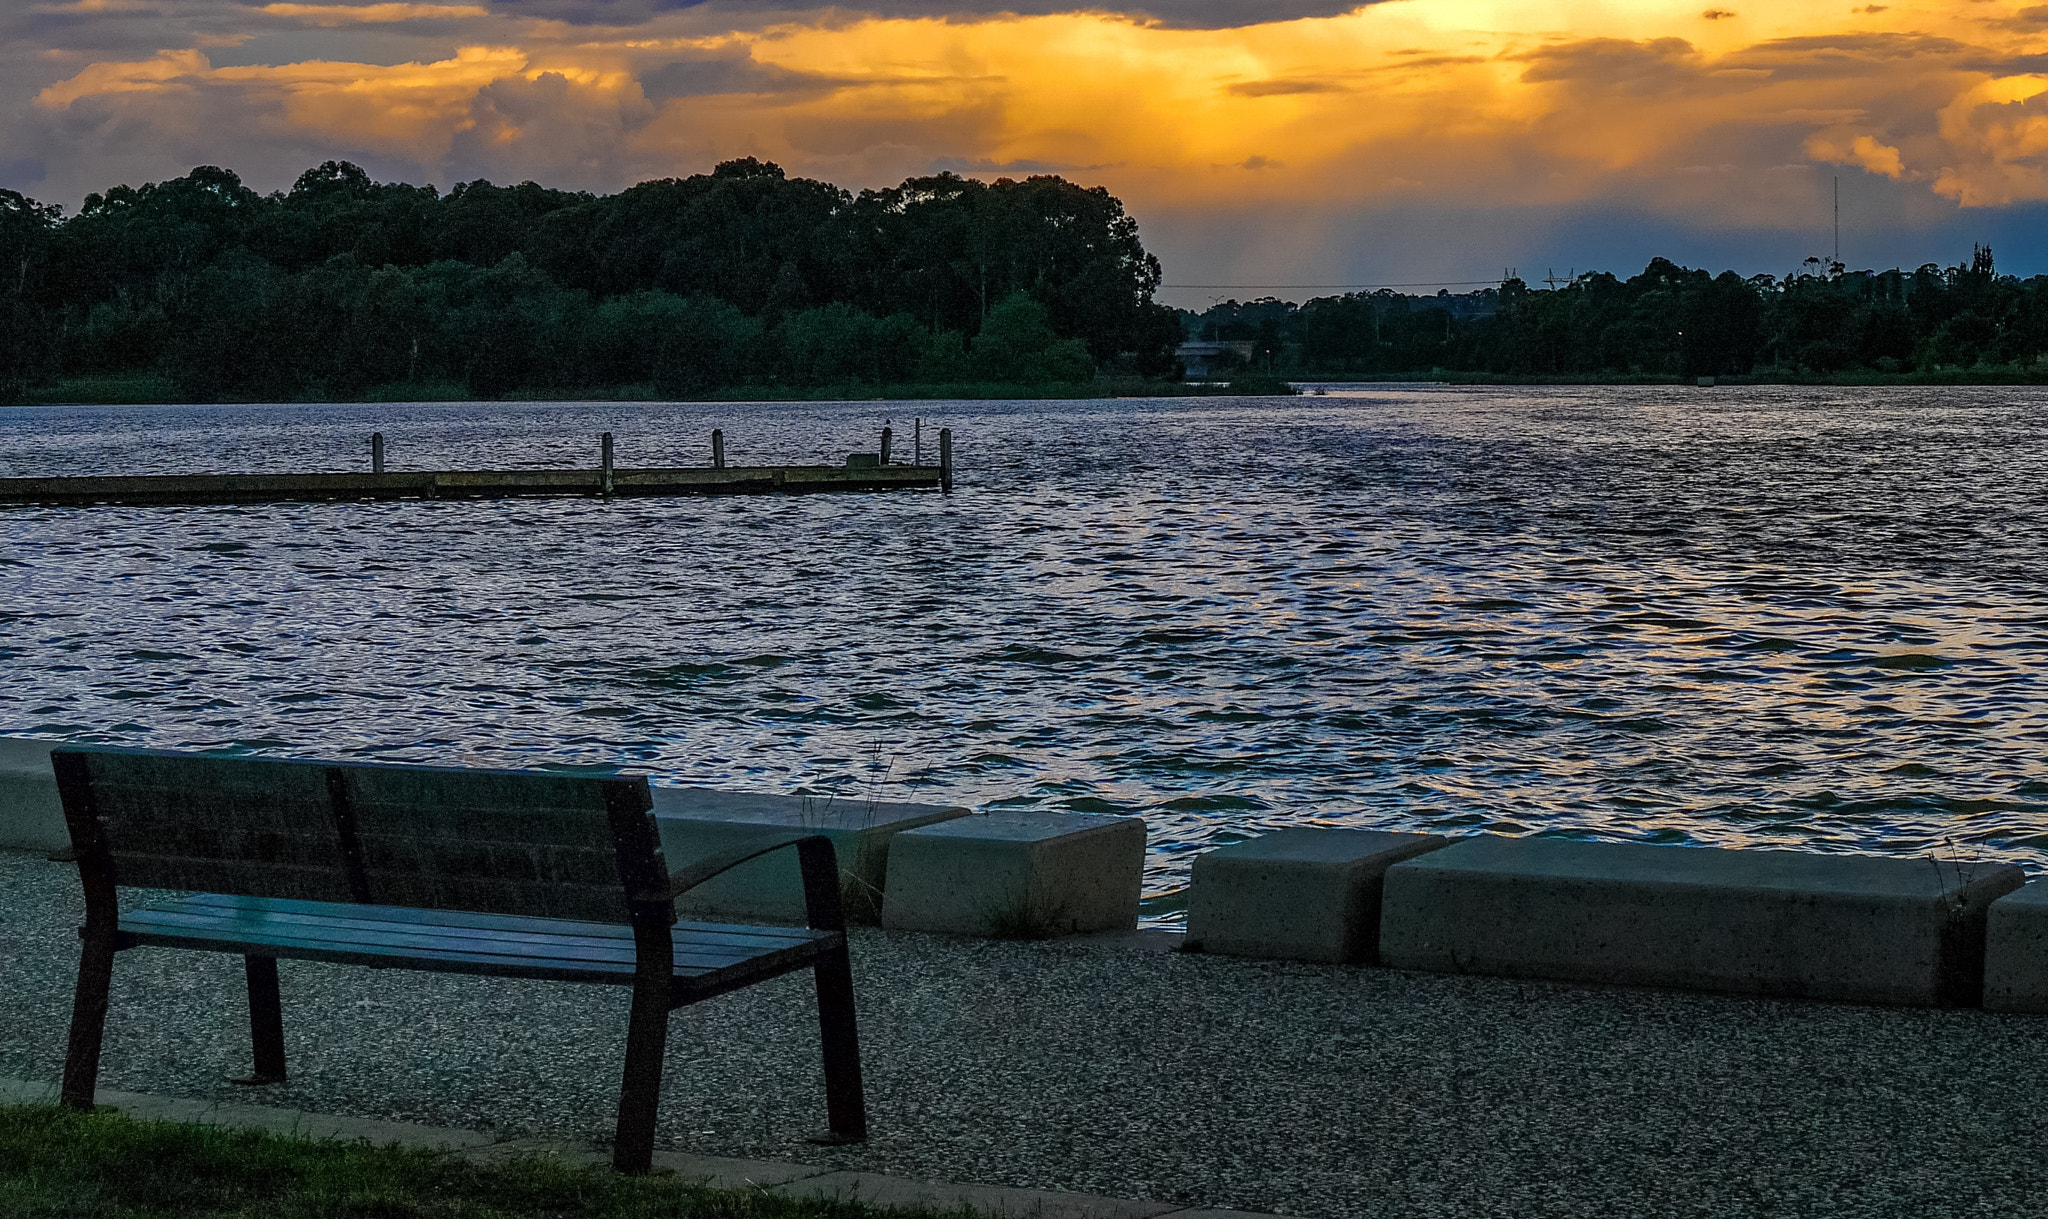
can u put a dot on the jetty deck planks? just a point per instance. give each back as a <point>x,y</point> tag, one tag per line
<point>463,484</point>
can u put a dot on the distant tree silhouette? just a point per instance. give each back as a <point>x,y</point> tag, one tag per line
<point>1667,321</point>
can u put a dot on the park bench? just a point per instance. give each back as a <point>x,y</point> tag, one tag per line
<point>520,874</point>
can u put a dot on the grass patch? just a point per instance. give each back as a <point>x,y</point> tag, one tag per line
<point>57,1164</point>
<point>1025,915</point>
<point>119,389</point>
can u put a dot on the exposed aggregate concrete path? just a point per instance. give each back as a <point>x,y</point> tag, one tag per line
<point>1101,1068</point>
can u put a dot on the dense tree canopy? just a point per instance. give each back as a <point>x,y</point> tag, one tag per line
<point>1668,321</point>
<point>342,286</point>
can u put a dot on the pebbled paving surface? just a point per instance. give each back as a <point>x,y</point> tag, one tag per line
<point>1258,1086</point>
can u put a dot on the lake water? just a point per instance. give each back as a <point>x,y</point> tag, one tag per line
<point>1764,617</point>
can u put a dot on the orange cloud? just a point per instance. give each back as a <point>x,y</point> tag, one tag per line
<point>1997,134</point>
<point>1862,151</point>
<point>163,72</point>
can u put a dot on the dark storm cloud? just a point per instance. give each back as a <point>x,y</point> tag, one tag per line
<point>730,70</point>
<point>604,12</point>
<point>1180,14</point>
<point>1281,88</point>
<point>1822,57</point>
<point>1658,66</point>
<point>122,32</point>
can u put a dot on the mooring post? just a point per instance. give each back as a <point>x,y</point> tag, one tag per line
<point>376,452</point>
<point>605,444</point>
<point>718,448</point>
<point>885,445</point>
<point>945,459</point>
<point>917,441</point>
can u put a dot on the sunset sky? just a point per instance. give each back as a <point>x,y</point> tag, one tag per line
<point>1281,143</point>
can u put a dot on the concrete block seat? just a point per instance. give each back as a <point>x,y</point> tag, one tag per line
<point>1025,874</point>
<point>1780,923</point>
<point>1309,894</point>
<point>2016,951</point>
<point>697,823</point>
<point>31,815</point>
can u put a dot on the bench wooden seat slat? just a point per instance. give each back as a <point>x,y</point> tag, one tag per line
<point>736,934</point>
<point>411,958</point>
<point>306,937</point>
<point>314,926</point>
<point>458,958</point>
<point>342,917</point>
<point>520,874</point>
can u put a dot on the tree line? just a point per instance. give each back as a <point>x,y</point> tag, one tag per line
<point>1824,322</point>
<point>343,287</point>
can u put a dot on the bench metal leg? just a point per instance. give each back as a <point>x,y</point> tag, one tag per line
<point>88,1021</point>
<point>845,1107</point>
<point>640,1090</point>
<point>266,1020</point>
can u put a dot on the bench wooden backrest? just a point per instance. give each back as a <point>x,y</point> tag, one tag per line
<point>496,841</point>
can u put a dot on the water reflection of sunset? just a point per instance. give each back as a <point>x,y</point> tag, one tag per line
<point>1684,108</point>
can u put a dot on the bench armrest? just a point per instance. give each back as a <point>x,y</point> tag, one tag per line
<point>682,880</point>
<point>820,864</point>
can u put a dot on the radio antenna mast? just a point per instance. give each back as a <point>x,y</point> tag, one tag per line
<point>1838,220</point>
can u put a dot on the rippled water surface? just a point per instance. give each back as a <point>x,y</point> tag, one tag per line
<point>1767,617</point>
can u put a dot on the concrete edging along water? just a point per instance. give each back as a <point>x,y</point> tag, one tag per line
<point>2016,951</point>
<point>719,1172</point>
<point>1777,923</point>
<point>1780,923</point>
<point>1309,894</point>
<point>1018,873</point>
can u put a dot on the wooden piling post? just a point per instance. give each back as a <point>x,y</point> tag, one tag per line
<point>917,441</point>
<point>376,452</point>
<point>886,433</point>
<point>718,448</point>
<point>945,459</point>
<point>605,445</point>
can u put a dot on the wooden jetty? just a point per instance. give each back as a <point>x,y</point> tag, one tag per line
<point>863,472</point>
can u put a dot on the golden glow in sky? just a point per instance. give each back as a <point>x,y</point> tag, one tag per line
<point>1712,115</point>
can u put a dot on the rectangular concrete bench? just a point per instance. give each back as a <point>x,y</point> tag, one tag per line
<point>1018,874</point>
<point>2016,951</point>
<point>1308,894</point>
<point>519,874</point>
<point>1780,923</point>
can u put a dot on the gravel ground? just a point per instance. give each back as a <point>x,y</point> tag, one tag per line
<point>1305,1090</point>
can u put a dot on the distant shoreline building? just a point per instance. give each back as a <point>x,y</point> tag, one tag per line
<point>1203,359</point>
